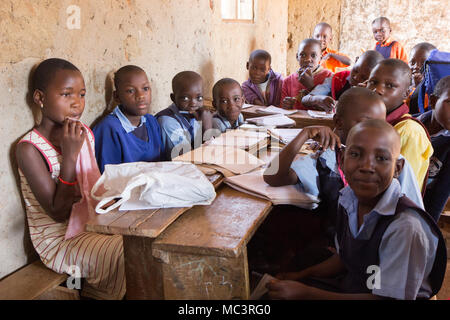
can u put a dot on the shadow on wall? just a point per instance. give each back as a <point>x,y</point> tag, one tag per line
<point>110,102</point>
<point>207,73</point>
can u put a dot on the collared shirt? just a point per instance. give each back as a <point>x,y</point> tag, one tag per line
<point>179,131</point>
<point>332,63</point>
<point>397,50</point>
<point>407,249</point>
<point>306,170</point>
<point>222,123</point>
<point>126,124</point>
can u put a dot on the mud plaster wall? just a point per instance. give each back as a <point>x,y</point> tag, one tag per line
<point>412,21</point>
<point>163,37</point>
<point>303,16</point>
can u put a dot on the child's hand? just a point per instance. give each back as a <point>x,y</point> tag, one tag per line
<point>74,134</point>
<point>323,135</point>
<point>327,103</point>
<point>306,78</point>
<point>286,290</point>
<point>363,84</point>
<point>289,102</point>
<point>289,275</point>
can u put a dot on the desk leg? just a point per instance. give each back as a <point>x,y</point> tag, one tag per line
<point>143,273</point>
<point>198,277</point>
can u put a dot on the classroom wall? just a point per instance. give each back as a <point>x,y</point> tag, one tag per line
<point>412,21</point>
<point>302,17</point>
<point>162,36</point>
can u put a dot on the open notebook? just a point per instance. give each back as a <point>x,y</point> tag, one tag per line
<point>275,110</point>
<point>243,139</point>
<point>277,120</point>
<point>254,184</point>
<point>320,114</point>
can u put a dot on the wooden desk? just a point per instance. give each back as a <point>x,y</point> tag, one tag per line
<point>203,254</point>
<point>301,117</point>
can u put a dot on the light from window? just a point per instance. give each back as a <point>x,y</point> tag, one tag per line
<point>238,10</point>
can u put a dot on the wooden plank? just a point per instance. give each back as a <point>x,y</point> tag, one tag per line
<point>158,222</point>
<point>221,229</point>
<point>30,282</point>
<point>60,293</point>
<point>101,222</point>
<point>127,223</point>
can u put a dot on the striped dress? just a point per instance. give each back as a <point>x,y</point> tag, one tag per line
<point>98,257</point>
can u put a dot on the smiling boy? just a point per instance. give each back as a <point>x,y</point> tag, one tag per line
<point>228,101</point>
<point>381,29</point>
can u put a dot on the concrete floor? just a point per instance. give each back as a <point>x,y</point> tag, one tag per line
<point>444,223</point>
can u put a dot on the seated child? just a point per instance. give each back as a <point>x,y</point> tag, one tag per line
<point>228,101</point>
<point>263,87</point>
<point>437,121</point>
<point>338,83</point>
<point>391,79</point>
<point>381,28</point>
<point>310,74</point>
<point>129,133</point>
<point>185,121</point>
<point>419,54</point>
<point>331,59</point>
<point>47,157</point>
<point>320,174</point>
<point>378,228</point>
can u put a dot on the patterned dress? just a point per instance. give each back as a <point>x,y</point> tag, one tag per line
<point>98,257</point>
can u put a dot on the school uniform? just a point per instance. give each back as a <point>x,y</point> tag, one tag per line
<point>293,88</point>
<point>332,63</point>
<point>397,238</point>
<point>413,101</point>
<point>333,86</point>
<point>268,92</point>
<point>415,143</point>
<point>118,141</point>
<point>391,49</point>
<point>438,186</point>
<point>221,123</point>
<point>179,131</point>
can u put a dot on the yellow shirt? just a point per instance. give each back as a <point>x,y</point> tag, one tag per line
<point>415,147</point>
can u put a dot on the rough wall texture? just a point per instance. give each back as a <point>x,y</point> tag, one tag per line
<point>162,36</point>
<point>412,22</point>
<point>303,16</point>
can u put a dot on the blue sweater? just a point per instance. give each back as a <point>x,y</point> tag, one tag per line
<point>113,145</point>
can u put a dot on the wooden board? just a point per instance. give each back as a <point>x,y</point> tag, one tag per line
<point>221,229</point>
<point>30,282</point>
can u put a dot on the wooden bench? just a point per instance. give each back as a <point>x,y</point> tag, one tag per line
<point>36,282</point>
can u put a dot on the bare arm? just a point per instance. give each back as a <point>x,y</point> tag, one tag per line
<point>341,58</point>
<point>324,103</point>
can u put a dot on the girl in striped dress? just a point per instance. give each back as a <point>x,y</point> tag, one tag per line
<point>47,157</point>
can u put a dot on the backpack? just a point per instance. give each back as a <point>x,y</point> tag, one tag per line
<point>436,67</point>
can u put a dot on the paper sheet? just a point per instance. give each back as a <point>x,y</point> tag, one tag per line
<point>278,120</point>
<point>275,110</point>
<point>320,114</point>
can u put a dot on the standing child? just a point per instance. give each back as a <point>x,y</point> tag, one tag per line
<point>47,157</point>
<point>391,79</point>
<point>381,28</point>
<point>185,121</point>
<point>419,54</point>
<point>324,95</point>
<point>331,59</point>
<point>310,74</point>
<point>263,88</point>
<point>437,121</point>
<point>377,230</point>
<point>228,101</point>
<point>129,133</point>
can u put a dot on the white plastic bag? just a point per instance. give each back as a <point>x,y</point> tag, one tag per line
<point>150,185</point>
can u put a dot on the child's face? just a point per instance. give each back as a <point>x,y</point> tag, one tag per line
<point>258,69</point>
<point>391,84</point>
<point>360,111</point>
<point>370,163</point>
<point>381,31</point>
<point>442,109</point>
<point>360,72</point>
<point>229,101</point>
<point>188,96</point>
<point>64,96</point>
<point>309,55</point>
<point>418,57</point>
<point>134,93</point>
<point>324,35</point>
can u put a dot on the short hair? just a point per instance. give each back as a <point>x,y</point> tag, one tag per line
<point>442,85</point>
<point>46,71</point>
<point>309,41</point>
<point>124,70</point>
<point>381,20</point>
<point>260,54</point>
<point>371,57</point>
<point>183,76</point>
<point>222,82</point>
<point>349,97</point>
<point>323,24</point>
<point>424,46</point>
<point>398,65</point>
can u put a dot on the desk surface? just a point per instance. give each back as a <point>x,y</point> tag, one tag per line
<point>301,117</point>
